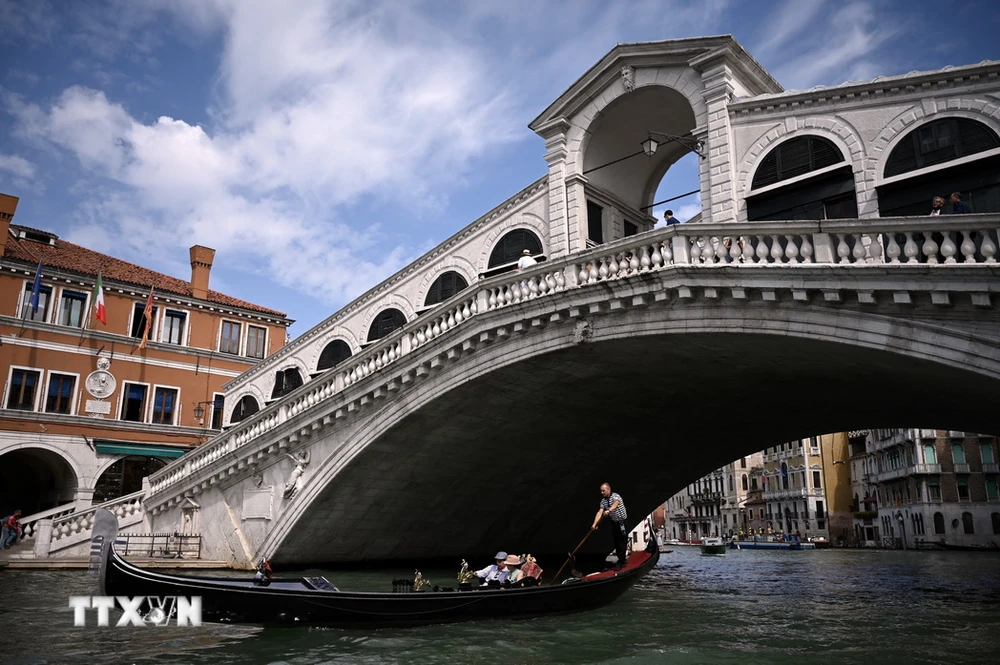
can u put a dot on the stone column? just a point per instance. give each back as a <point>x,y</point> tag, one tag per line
<point>718,202</point>
<point>556,155</point>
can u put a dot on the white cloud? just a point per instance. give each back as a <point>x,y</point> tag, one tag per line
<point>18,166</point>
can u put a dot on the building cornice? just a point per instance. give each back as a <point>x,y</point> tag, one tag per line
<point>106,423</point>
<point>923,83</point>
<point>523,197</point>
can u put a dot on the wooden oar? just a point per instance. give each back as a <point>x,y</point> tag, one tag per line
<point>573,553</point>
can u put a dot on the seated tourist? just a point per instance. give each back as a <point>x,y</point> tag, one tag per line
<point>513,565</point>
<point>531,572</point>
<point>495,572</point>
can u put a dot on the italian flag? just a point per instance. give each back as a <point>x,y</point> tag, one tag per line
<point>99,311</point>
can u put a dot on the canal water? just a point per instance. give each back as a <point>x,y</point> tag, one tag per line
<point>747,607</point>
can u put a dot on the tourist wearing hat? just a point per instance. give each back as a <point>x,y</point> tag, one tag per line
<point>513,564</point>
<point>526,260</point>
<point>495,572</point>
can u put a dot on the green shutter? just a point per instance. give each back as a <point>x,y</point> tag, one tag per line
<point>127,448</point>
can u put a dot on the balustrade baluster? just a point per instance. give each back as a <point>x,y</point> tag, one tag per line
<point>776,251</point>
<point>645,262</point>
<point>910,248</point>
<point>843,249</point>
<point>749,249</point>
<point>968,247</point>
<point>695,250</point>
<point>791,251</point>
<point>988,248</point>
<point>806,249</point>
<point>763,251</point>
<point>930,247</point>
<point>735,251</point>
<point>860,251</point>
<point>708,251</point>
<point>602,272</point>
<point>893,249</point>
<point>948,248</point>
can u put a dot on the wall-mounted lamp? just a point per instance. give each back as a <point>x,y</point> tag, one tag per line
<point>199,411</point>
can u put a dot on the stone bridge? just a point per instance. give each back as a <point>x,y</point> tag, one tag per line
<point>490,421</point>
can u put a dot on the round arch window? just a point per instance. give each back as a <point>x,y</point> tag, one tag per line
<point>246,407</point>
<point>333,354</point>
<point>386,322</point>
<point>512,245</point>
<point>444,287</point>
<point>125,476</point>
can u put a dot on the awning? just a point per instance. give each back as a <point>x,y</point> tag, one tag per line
<point>129,448</point>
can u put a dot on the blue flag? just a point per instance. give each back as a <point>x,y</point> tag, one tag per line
<point>36,290</point>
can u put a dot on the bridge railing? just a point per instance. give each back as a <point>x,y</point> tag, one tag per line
<point>929,241</point>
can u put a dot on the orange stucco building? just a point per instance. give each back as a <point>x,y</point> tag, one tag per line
<point>85,412</point>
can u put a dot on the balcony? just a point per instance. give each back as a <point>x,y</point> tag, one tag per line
<point>707,497</point>
<point>990,467</point>
<point>961,468</point>
<point>912,470</point>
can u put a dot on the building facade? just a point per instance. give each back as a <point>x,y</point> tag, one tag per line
<point>88,410</point>
<point>919,487</point>
<point>714,505</point>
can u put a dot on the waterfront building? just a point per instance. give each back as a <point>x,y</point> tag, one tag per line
<point>88,410</point>
<point>713,505</point>
<point>807,488</point>
<point>921,486</point>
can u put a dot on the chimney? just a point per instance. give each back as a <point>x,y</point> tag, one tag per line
<point>201,266</point>
<point>8,204</point>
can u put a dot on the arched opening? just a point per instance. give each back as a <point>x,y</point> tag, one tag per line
<point>967,525</point>
<point>125,476</point>
<point>285,381</point>
<point>745,484</point>
<point>445,286</point>
<point>333,354</point>
<point>938,158</point>
<point>784,476</point>
<point>939,524</point>
<point>510,248</point>
<point>246,407</point>
<point>820,182</point>
<point>35,479</point>
<point>731,485</point>
<point>385,322</point>
<point>995,518</point>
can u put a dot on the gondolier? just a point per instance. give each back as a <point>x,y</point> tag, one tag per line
<point>613,507</point>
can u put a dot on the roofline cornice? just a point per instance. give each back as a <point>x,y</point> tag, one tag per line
<point>526,194</point>
<point>945,79</point>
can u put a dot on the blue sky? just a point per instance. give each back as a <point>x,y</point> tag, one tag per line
<point>321,145</point>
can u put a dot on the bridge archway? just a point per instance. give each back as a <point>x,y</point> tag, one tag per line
<point>632,407</point>
<point>36,479</point>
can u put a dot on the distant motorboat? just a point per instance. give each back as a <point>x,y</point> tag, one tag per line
<point>775,545</point>
<point>713,546</point>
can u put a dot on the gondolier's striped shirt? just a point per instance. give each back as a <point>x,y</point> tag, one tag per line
<point>618,514</point>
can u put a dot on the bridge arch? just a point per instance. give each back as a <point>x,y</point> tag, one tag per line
<point>38,476</point>
<point>557,378</point>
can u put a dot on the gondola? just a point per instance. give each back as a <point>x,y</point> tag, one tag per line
<point>314,601</point>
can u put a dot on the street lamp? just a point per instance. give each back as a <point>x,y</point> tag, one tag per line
<point>199,411</point>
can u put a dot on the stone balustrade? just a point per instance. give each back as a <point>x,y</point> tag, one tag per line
<point>30,523</point>
<point>926,241</point>
<point>68,529</point>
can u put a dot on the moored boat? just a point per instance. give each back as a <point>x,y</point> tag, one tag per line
<point>713,546</point>
<point>314,601</point>
<point>775,545</point>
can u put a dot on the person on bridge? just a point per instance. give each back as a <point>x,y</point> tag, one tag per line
<point>526,260</point>
<point>11,530</point>
<point>958,207</point>
<point>613,506</point>
<point>669,218</point>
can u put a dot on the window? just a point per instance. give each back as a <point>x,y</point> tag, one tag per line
<point>72,306</point>
<point>595,222</point>
<point>967,524</point>
<point>285,381</point>
<point>386,322</point>
<point>930,455</point>
<point>995,518</point>
<point>23,385</point>
<point>731,484</point>
<point>991,490</point>
<point>819,510</point>
<point>44,298</point>
<point>816,480</point>
<point>938,142</point>
<point>796,157</point>
<point>60,393</point>
<point>173,327</point>
<point>134,402</point>
<point>784,476</point>
<point>934,490</point>
<point>939,524</point>
<point>986,452</point>
<point>743,462</point>
<point>246,407</point>
<point>958,454</point>
<point>256,341</point>
<point>510,247</point>
<point>444,287</point>
<point>229,339</point>
<point>963,490</point>
<point>333,354</point>
<point>125,476</point>
<point>218,408</point>
<point>630,229</point>
<point>164,404</point>
<point>744,483</point>
<point>139,320</point>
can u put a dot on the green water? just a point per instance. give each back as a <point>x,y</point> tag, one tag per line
<point>745,607</point>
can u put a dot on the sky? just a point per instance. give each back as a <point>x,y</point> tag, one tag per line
<point>321,145</point>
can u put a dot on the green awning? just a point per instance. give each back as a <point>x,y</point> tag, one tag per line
<point>127,448</point>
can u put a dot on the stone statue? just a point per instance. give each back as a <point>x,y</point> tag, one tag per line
<point>628,78</point>
<point>294,483</point>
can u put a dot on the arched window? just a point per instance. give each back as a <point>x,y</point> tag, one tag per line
<point>333,354</point>
<point>986,453</point>
<point>246,407</point>
<point>939,524</point>
<point>796,157</point>
<point>958,453</point>
<point>510,247</point>
<point>967,524</point>
<point>125,476</point>
<point>784,476</point>
<point>285,381</point>
<point>856,505</point>
<point>992,491</point>
<point>386,321</point>
<point>744,481</point>
<point>938,142</point>
<point>731,486</point>
<point>930,454</point>
<point>444,287</point>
